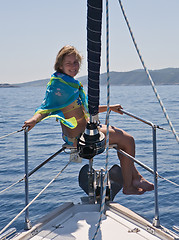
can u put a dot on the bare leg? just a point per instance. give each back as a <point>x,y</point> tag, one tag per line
<point>133,182</point>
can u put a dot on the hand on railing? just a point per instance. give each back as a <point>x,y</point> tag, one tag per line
<point>116,108</point>
<point>29,124</point>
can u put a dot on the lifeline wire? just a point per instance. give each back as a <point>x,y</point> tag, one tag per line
<point>107,120</point>
<point>164,129</point>
<point>149,76</point>
<point>11,133</point>
<point>20,180</point>
<point>34,198</point>
<point>35,169</point>
<point>144,166</point>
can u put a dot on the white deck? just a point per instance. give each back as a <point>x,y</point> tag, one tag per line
<point>80,221</point>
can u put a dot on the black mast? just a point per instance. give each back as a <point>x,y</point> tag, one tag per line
<point>92,142</point>
<point>94,23</point>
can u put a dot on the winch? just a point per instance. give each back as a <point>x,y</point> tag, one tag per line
<point>91,142</point>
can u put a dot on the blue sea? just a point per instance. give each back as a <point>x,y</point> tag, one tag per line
<point>18,105</point>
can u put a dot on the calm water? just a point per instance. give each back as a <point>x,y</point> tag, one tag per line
<point>18,104</point>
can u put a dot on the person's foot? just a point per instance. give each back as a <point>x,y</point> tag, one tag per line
<point>143,183</point>
<point>133,191</point>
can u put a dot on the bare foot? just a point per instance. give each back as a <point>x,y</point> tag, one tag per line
<point>133,191</point>
<point>144,184</point>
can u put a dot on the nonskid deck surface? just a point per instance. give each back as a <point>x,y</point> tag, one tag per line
<point>80,222</point>
<point>83,226</point>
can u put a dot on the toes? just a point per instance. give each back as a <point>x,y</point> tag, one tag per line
<point>133,191</point>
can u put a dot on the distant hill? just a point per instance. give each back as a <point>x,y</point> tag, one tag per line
<point>37,83</point>
<point>167,76</point>
<point>7,85</point>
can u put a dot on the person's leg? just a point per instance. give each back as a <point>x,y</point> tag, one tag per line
<point>133,182</point>
<point>68,140</point>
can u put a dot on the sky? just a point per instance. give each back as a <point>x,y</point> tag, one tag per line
<point>32,33</point>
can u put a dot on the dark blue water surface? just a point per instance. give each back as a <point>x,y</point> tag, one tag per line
<point>18,104</point>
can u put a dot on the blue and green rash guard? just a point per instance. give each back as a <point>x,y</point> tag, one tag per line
<point>61,91</point>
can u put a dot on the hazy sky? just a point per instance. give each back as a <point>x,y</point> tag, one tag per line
<point>32,32</point>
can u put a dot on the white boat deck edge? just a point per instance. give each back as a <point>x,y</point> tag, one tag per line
<point>79,221</point>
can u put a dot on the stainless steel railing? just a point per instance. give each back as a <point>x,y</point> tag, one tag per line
<point>156,221</point>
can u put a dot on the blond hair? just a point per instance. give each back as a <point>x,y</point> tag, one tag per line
<point>66,51</point>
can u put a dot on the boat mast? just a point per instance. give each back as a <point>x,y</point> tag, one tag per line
<point>92,142</point>
<point>94,23</point>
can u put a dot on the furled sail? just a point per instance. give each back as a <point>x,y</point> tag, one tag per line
<point>92,142</point>
<point>94,22</point>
